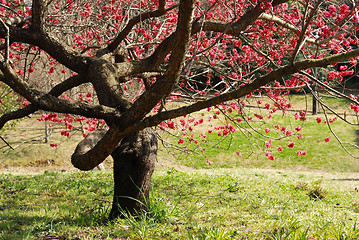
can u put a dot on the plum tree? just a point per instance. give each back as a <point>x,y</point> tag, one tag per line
<point>119,63</point>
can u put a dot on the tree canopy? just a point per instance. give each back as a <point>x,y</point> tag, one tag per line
<point>121,62</point>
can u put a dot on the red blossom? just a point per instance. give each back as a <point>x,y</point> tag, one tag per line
<point>271,157</point>
<point>268,144</point>
<point>302,153</point>
<point>171,124</point>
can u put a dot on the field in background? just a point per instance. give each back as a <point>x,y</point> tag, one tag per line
<point>33,154</point>
<point>314,196</point>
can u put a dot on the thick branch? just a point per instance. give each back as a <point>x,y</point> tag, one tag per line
<point>90,159</point>
<point>243,91</point>
<point>16,114</point>
<point>85,159</point>
<point>56,91</point>
<point>51,103</point>
<point>61,52</point>
<point>38,14</point>
<point>233,29</point>
<point>164,85</point>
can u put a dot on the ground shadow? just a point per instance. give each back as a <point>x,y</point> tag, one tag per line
<point>345,179</point>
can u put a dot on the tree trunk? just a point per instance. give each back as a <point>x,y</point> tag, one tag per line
<point>134,162</point>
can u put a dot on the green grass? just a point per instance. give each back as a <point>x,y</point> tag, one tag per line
<point>247,140</point>
<point>249,197</point>
<point>30,150</point>
<point>250,139</point>
<point>198,204</point>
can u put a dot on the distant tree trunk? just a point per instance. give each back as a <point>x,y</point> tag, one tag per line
<point>47,132</point>
<point>134,163</point>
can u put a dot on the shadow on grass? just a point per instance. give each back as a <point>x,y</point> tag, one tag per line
<point>15,224</point>
<point>345,179</point>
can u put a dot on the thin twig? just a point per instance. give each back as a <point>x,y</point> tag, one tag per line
<point>8,144</point>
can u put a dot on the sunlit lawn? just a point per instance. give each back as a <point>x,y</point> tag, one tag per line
<point>195,204</point>
<point>226,188</point>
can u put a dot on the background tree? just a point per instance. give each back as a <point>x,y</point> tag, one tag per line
<point>131,58</point>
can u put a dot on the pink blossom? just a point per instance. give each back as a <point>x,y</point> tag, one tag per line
<point>268,144</point>
<point>271,157</point>
<point>319,120</point>
<point>302,153</point>
<point>280,149</point>
<point>171,124</point>
<point>20,72</point>
<point>327,139</point>
<point>291,145</point>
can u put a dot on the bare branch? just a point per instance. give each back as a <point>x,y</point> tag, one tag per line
<point>6,143</point>
<point>142,17</point>
<point>302,37</point>
<point>279,21</point>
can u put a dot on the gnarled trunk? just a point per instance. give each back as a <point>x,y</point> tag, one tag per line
<point>134,162</point>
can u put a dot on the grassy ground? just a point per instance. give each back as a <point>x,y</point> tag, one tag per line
<point>249,140</point>
<point>192,204</point>
<point>235,197</point>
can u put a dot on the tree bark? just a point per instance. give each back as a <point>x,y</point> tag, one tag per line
<point>134,163</point>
